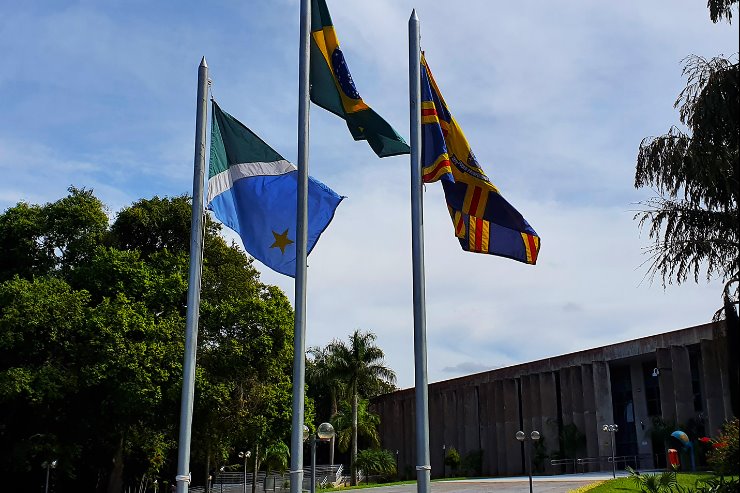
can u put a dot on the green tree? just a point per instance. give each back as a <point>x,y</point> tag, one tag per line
<point>91,344</point>
<point>693,220</point>
<point>367,425</point>
<point>359,364</point>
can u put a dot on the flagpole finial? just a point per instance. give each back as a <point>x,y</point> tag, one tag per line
<point>413,15</point>
<point>203,62</point>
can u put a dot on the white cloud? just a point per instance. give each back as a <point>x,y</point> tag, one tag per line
<point>554,98</point>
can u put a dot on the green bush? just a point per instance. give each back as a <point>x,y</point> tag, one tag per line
<point>452,459</point>
<point>725,456</point>
<point>376,462</point>
<point>472,463</point>
<point>718,485</point>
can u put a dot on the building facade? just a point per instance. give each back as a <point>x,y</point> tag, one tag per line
<point>646,386</point>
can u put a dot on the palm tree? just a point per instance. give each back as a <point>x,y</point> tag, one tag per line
<point>323,385</point>
<point>367,424</point>
<point>359,365</point>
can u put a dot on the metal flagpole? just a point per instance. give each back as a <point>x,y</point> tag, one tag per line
<point>423,469</point>
<point>194,276</point>
<point>299,331</point>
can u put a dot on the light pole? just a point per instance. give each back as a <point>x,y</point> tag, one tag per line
<point>444,459</point>
<point>612,429</point>
<point>245,456</point>
<point>397,476</point>
<point>324,433</point>
<point>534,436</point>
<point>221,478</point>
<point>48,465</point>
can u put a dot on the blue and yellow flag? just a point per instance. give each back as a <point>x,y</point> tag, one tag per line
<point>484,221</point>
<point>254,191</point>
<point>333,89</point>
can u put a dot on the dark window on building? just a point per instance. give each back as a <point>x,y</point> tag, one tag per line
<point>652,388</point>
<point>624,411</point>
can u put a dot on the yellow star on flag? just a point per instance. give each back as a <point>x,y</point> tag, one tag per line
<point>281,240</point>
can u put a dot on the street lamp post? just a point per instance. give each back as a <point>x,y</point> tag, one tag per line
<point>534,436</point>
<point>245,455</point>
<point>397,464</point>
<point>324,433</point>
<point>48,465</point>
<point>612,429</point>
<point>444,459</point>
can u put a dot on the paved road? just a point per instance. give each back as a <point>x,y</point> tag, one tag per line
<point>542,484</point>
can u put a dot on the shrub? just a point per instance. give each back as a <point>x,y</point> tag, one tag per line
<point>725,456</point>
<point>472,463</point>
<point>653,483</point>
<point>452,459</point>
<point>376,462</point>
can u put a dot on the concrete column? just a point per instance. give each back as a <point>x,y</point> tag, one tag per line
<point>713,397</point>
<point>488,428</point>
<point>471,427</point>
<point>576,397</point>
<point>566,399</point>
<point>591,429</point>
<point>450,416</point>
<point>528,410</point>
<point>549,411</point>
<point>459,436</point>
<point>436,427</point>
<point>511,426</point>
<point>642,420</point>
<point>682,384</point>
<point>604,409</point>
<point>665,383</point>
<point>409,434</point>
<point>536,402</point>
<point>501,441</point>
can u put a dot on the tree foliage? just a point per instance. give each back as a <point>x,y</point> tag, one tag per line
<point>357,370</point>
<point>719,9</point>
<point>367,425</point>
<point>693,221</point>
<point>377,462</point>
<point>92,320</point>
<point>725,455</point>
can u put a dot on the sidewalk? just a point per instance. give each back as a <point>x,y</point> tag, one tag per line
<point>520,484</point>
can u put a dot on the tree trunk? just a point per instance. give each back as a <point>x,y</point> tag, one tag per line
<point>353,466</point>
<point>256,467</point>
<point>208,471</point>
<point>115,482</point>
<point>334,411</point>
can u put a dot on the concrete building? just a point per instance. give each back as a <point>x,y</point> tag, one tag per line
<point>676,377</point>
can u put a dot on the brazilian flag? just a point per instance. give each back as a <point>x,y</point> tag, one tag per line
<point>333,89</point>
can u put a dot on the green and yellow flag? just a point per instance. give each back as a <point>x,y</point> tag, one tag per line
<point>333,89</point>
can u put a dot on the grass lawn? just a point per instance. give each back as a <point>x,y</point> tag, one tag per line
<point>627,484</point>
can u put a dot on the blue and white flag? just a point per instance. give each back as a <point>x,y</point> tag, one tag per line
<point>254,191</point>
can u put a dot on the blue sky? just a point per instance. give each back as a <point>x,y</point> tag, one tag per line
<point>554,98</point>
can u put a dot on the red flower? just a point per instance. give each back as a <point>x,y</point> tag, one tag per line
<point>705,440</point>
<point>720,445</point>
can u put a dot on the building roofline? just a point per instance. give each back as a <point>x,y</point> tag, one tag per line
<point>621,350</point>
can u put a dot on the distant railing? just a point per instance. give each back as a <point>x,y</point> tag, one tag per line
<point>602,461</point>
<point>234,481</point>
